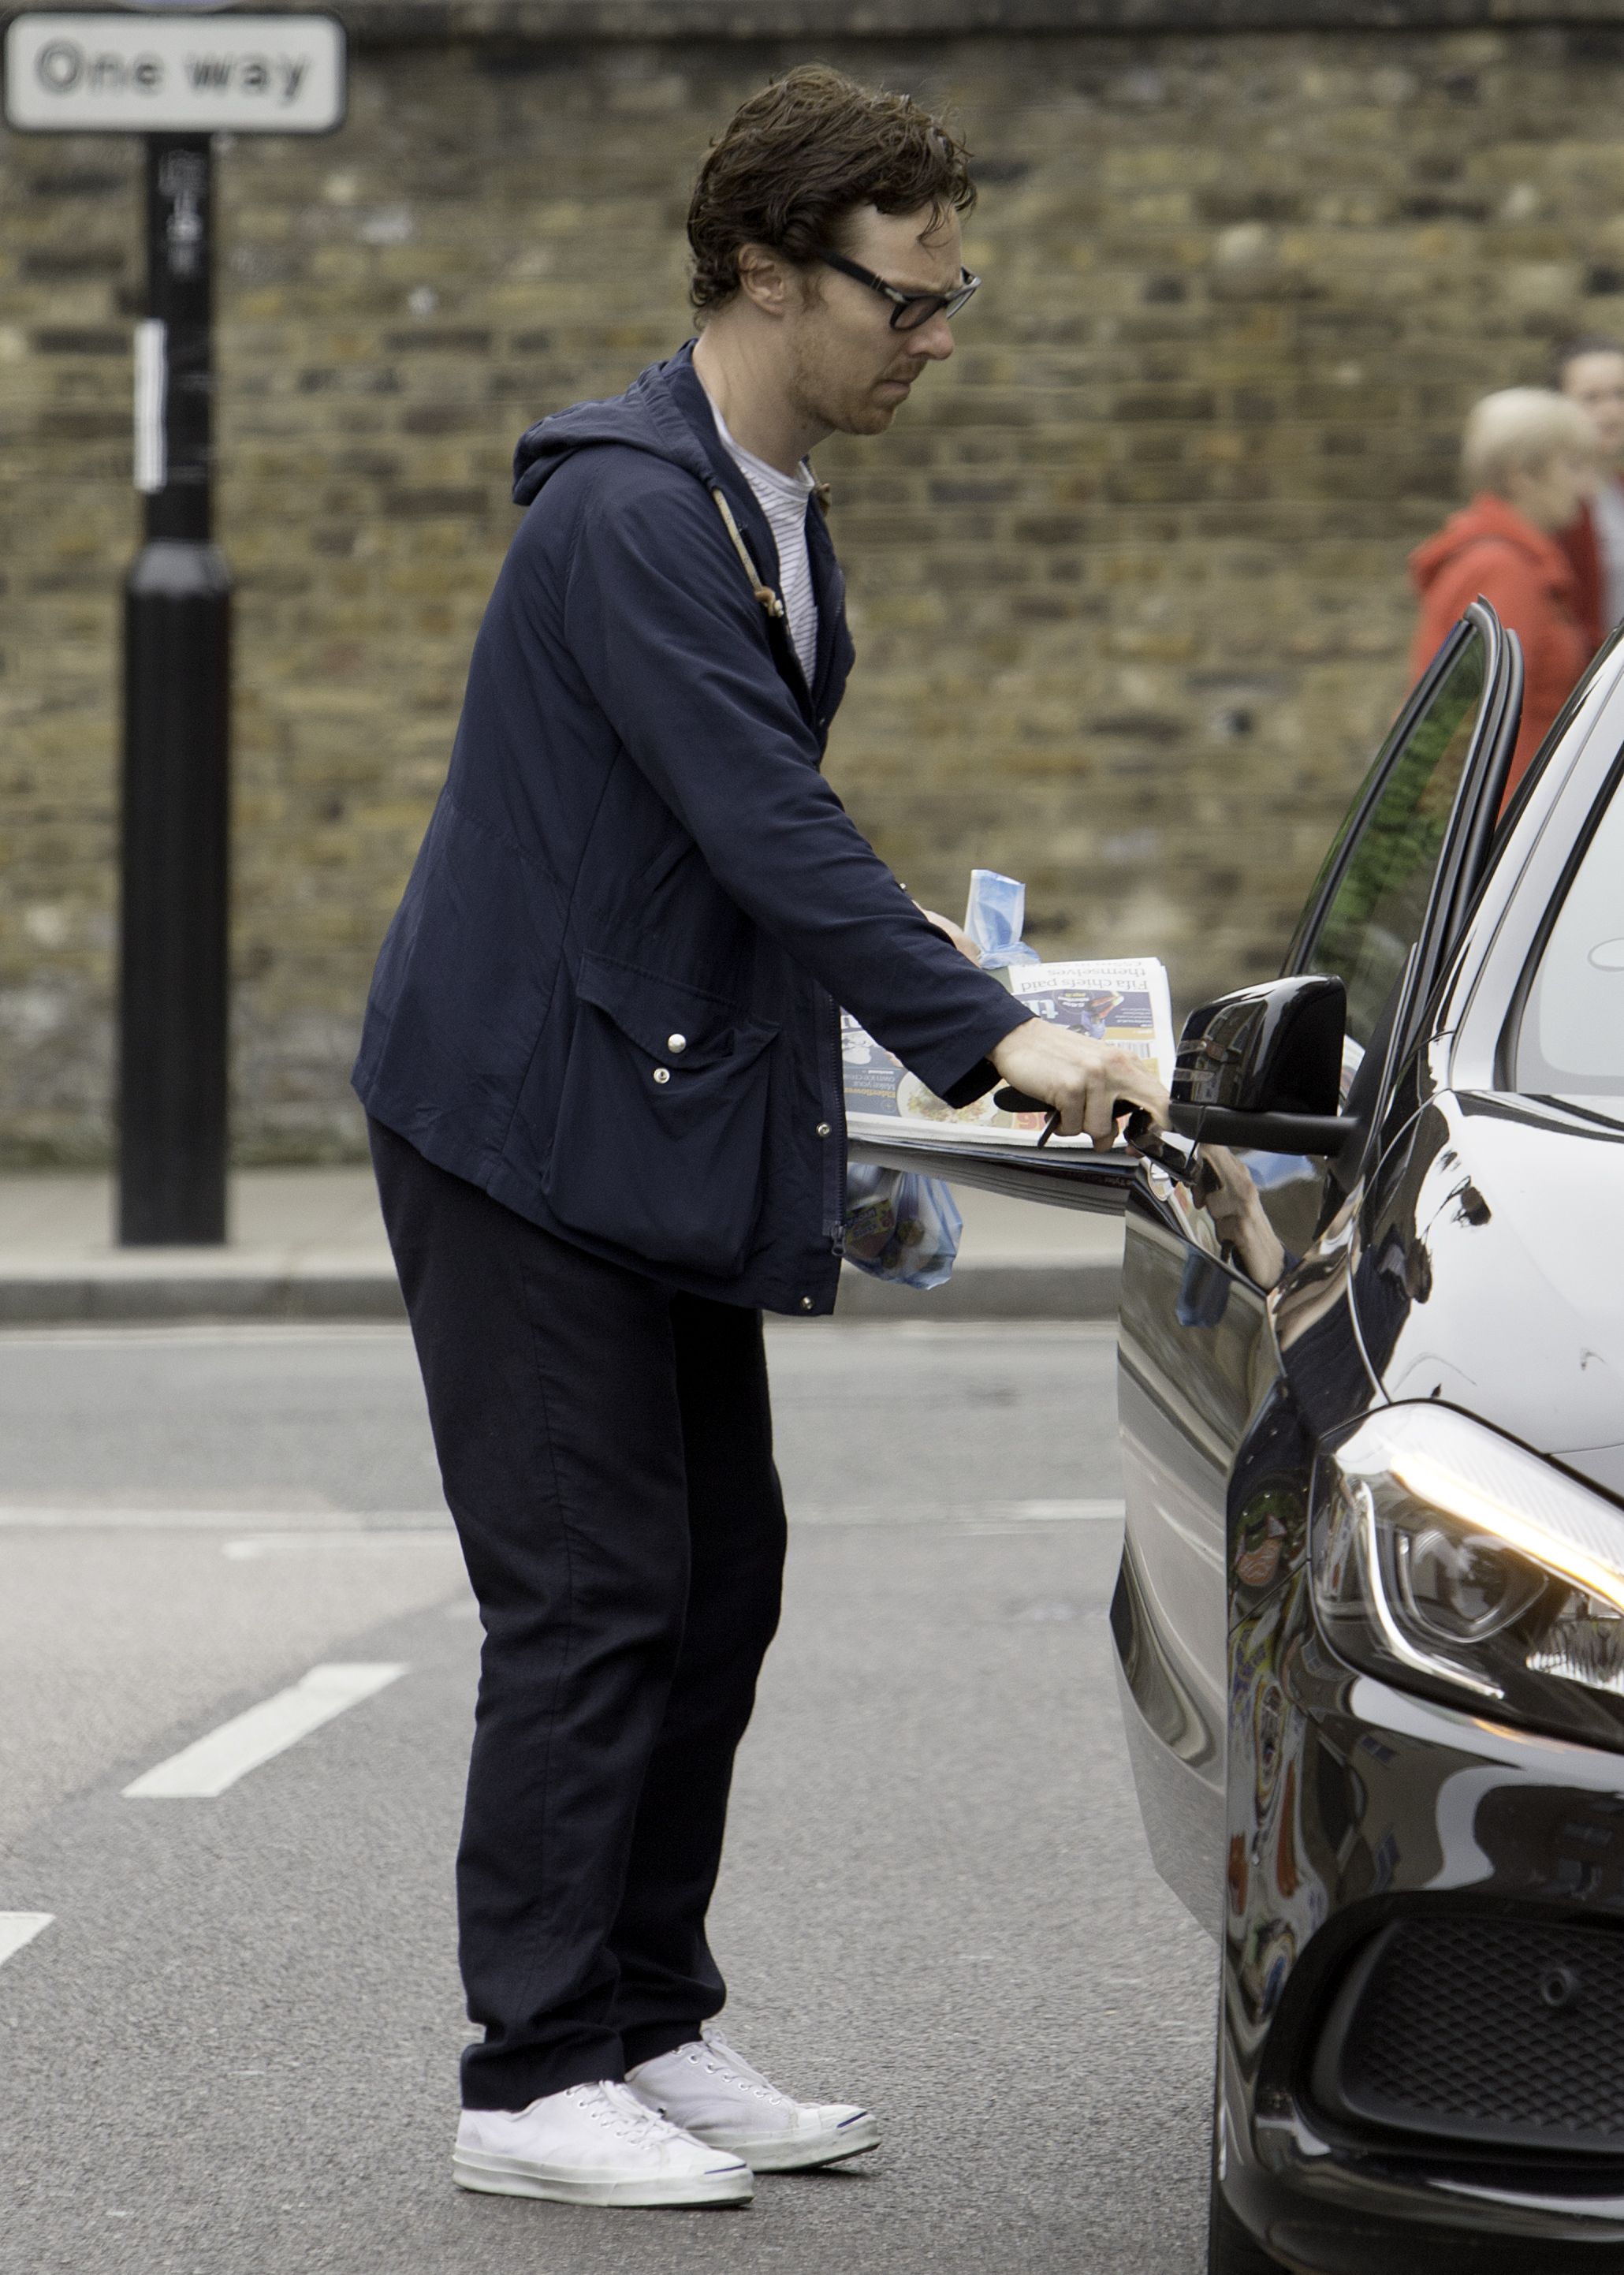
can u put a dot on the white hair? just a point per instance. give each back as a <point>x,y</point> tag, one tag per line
<point>1518,430</point>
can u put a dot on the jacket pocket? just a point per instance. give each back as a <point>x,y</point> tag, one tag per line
<point>662,1120</point>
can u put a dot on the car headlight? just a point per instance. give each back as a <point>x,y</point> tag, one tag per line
<point>1448,1559</point>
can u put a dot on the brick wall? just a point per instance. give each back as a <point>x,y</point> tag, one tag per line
<point>1126,580</point>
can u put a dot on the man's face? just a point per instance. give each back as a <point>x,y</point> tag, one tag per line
<point>849,371</point>
<point>1596,383</point>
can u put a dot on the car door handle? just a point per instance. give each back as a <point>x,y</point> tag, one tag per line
<point>1137,1132</point>
<point>1016,1101</point>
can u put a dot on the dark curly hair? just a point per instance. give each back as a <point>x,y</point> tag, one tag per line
<point>796,161</point>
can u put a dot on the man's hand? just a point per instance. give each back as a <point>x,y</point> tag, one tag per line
<point>1081,1079</point>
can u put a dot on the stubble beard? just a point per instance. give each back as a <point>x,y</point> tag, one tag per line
<point>839,410</point>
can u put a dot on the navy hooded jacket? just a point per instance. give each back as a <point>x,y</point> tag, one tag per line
<point>609,996</point>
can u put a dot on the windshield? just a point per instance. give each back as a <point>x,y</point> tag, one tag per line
<point>1571,1041</point>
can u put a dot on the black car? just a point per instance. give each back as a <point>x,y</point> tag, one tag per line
<point>1369,1618</point>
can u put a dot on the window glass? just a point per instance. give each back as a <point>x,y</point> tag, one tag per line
<point>1572,1039</point>
<point>1375,914</point>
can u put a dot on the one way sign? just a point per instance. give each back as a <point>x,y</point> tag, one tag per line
<point>100,73</point>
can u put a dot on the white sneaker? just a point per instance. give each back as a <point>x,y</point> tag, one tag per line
<point>708,2089</point>
<point>597,2144</point>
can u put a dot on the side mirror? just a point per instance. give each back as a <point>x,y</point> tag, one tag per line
<point>1263,1067</point>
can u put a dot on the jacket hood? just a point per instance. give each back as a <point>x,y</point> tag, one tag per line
<point>649,416</point>
<point>1489,518</point>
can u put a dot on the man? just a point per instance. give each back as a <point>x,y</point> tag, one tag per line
<point>602,1064</point>
<point>1590,373</point>
<point>1529,457</point>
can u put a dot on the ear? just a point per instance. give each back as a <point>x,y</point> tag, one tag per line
<point>770,282</point>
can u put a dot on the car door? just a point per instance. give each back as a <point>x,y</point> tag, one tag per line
<point>1194,1356</point>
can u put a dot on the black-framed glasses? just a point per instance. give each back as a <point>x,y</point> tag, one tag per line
<point>908,309</point>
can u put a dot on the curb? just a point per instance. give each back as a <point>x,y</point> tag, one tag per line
<point>119,1295</point>
<point>1081,1290</point>
<point>124,1293</point>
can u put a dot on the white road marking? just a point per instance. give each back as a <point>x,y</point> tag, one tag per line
<point>20,1517</point>
<point>433,1530</point>
<point>91,1517</point>
<point>205,1768</point>
<point>1005,1331</point>
<point>294,1544</point>
<point>1059,1512</point>
<point>217,1332</point>
<point>18,1928</point>
<point>999,1513</point>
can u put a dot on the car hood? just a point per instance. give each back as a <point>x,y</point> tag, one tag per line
<point>1489,1270</point>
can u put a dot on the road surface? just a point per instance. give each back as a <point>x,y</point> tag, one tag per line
<point>233,2050</point>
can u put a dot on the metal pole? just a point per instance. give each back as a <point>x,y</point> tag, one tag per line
<point>173,983</point>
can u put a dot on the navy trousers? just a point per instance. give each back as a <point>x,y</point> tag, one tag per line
<point>606,1446</point>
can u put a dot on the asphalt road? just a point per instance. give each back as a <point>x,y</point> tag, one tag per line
<point>233,2052</point>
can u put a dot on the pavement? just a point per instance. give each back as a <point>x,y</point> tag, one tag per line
<point>307,1243</point>
<point>232,2050</point>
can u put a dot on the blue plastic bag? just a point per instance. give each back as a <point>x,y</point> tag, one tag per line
<point>900,1226</point>
<point>993,917</point>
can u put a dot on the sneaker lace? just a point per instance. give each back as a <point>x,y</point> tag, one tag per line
<point>728,2062</point>
<point>618,2109</point>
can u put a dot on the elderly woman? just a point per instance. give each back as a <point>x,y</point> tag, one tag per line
<point>1529,455</point>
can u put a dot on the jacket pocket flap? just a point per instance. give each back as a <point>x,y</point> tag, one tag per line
<point>674,1023</point>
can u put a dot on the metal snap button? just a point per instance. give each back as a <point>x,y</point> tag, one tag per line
<point>823,1130</point>
<point>806,1302</point>
<point>676,1045</point>
<point>662,1074</point>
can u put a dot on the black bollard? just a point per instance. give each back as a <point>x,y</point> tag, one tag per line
<point>174,949</point>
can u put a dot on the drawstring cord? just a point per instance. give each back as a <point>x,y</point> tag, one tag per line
<point>765,594</point>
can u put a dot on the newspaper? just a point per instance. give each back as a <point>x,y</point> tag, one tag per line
<point>1121,999</point>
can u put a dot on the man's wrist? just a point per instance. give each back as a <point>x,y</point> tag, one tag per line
<point>1026,1020</point>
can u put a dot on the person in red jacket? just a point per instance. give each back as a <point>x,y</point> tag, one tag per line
<point>1529,456</point>
<point>1589,372</point>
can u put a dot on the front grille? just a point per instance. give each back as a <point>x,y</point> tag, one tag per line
<point>1506,2032</point>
